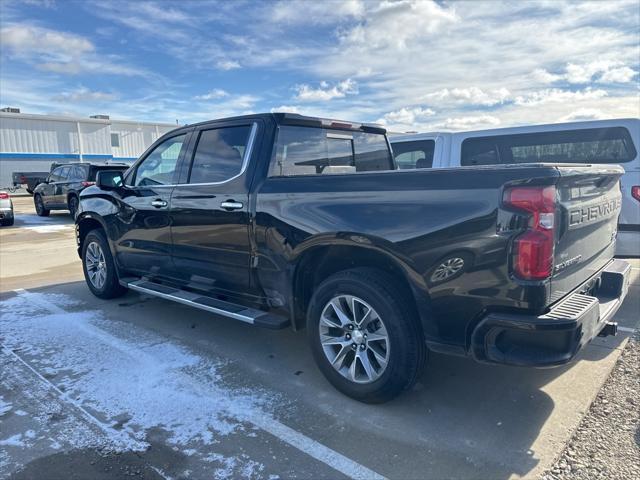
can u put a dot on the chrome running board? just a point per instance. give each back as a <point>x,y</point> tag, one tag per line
<point>253,316</point>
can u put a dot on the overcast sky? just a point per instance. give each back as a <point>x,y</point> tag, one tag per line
<point>412,65</point>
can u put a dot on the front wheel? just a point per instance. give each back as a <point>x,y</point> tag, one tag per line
<point>365,335</point>
<point>41,211</point>
<point>99,268</point>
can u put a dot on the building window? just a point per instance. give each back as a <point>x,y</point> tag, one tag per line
<point>115,139</point>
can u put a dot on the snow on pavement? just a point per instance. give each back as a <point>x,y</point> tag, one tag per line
<point>131,385</point>
<point>128,383</point>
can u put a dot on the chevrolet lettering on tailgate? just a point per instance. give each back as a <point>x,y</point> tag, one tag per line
<point>593,213</point>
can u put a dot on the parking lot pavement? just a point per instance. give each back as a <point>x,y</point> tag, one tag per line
<point>141,386</point>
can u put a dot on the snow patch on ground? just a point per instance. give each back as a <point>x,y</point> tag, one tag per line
<point>121,371</point>
<point>5,407</point>
<point>47,228</point>
<point>19,439</point>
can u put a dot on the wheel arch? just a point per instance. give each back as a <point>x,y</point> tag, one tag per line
<point>87,222</point>
<point>321,260</point>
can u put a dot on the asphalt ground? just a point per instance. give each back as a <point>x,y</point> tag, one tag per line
<point>142,387</point>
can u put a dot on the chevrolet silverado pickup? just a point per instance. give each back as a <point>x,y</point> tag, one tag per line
<point>280,220</point>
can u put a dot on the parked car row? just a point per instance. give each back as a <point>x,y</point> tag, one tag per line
<point>589,142</point>
<point>60,190</point>
<point>55,190</point>
<point>281,220</point>
<point>6,209</point>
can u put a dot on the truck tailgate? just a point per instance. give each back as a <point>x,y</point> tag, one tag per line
<point>589,202</point>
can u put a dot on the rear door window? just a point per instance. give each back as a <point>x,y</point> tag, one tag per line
<point>56,174</point>
<point>318,151</point>
<point>414,154</point>
<point>78,173</point>
<point>64,174</point>
<point>219,154</point>
<point>589,145</point>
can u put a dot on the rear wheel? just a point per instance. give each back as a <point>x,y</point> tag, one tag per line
<point>365,335</point>
<point>99,268</point>
<point>73,206</point>
<point>7,222</point>
<point>39,204</point>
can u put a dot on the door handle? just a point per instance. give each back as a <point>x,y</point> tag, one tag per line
<point>159,203</point>
<point>231,205</point>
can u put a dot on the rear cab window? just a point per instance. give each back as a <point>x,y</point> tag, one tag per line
<point>589,145</point>
<point>414,154</point>
<point>321,151</point>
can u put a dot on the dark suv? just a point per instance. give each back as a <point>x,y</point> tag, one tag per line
<point>61,189</point>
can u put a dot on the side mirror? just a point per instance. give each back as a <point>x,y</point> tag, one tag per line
<point>109,179</point>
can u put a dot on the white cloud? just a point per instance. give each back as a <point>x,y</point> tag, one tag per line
<point>406,116</point>
<point>618,75</point>
<point>397,24</point>
<point>227,64</point>
<point>305,11</point>
<point>61,52</point>
<point>584,114</point>
<point>601,71</point>
<point>214,94</point>
<point>286,109</point>
<point>470,96</point>
<point>556,95</point>
<point>83,94</point>
<point>467,123</point>
<point>325,91</point>
<point>29,39</point>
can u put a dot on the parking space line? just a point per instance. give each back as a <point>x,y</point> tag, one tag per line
<point>261,420</point>
<point>122,440</point>
<point>627,329</point>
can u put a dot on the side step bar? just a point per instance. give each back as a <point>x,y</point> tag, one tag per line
<point>253,316</point>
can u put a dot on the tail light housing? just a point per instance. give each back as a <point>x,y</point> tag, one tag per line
<point>635,192</point>
<point>4,195</point>
<point>534,249</point>
<point>88,184</point>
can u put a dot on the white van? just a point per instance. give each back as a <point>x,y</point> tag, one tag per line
<point>600,141</point>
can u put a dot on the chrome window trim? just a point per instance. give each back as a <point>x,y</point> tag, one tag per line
<point>243,167</point>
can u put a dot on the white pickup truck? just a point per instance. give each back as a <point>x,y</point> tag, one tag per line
<point>588,142</point>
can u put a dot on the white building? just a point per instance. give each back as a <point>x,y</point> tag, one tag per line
<point>32,142</point>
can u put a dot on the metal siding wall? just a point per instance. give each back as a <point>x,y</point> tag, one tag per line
<point>37,136</point>
<point>135,138</point>
<point>21,135</point>
<point>95,138</point>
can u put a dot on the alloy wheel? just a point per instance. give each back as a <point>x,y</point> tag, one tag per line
<point>96,265</point>
<point>354,339</point>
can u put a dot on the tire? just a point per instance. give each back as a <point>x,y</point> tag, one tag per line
<point>96,252</point>
<point>73,206</point>
<point>7,222</point>
<point>41,211</point>
<point>403,352</point>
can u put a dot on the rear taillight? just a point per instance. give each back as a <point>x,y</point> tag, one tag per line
<point>4,195</point>
<point>533,249</point>
<point>635,192</point>
<point>88,184</point>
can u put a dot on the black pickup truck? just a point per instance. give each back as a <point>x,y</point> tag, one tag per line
<point>283,220</point>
